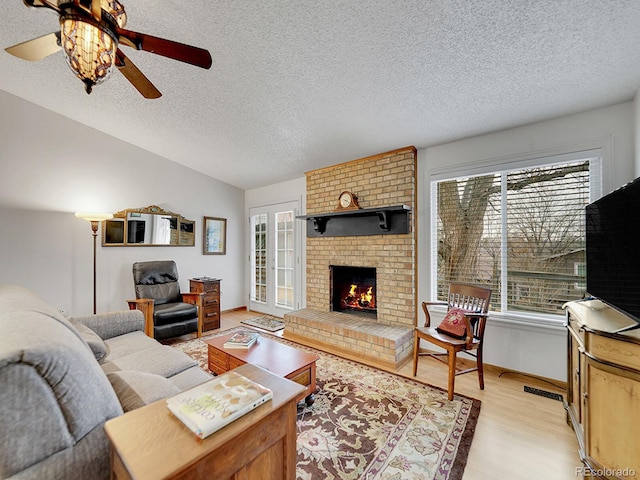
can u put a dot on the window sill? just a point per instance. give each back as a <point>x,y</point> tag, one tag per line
<point>520,320</point>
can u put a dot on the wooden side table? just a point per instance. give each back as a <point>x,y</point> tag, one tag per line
<point>150,443</point>
<point>210,288</point>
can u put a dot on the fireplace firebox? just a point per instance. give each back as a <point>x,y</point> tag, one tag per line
<point>353,290</point>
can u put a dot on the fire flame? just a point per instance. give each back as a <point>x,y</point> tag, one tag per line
<point>367,297</point>
<point>363,300</point>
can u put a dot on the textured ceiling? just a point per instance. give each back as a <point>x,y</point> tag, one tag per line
<point>301,84</point>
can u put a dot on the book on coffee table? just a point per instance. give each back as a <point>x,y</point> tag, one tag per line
<point>212,405</point>
<point>242,339</point>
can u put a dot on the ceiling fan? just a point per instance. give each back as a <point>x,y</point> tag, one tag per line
<point>90,34</point>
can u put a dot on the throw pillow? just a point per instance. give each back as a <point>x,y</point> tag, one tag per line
<point>96,344</point>
<point>453,323</point>
<point>136,389</point>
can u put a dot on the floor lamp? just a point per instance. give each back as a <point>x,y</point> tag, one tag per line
<point>94,218</point>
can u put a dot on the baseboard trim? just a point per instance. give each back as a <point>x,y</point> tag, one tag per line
<point>237,309</point>
<point>498,371</point>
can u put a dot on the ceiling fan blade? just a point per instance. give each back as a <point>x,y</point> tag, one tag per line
<point>96,10</point>
<point>167,48</point>
<point>36,49</point>
<point>135,76</point>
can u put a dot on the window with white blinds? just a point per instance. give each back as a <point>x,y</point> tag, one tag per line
<point>519,231</point>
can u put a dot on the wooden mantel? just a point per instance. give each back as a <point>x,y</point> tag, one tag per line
<point>367,221</point>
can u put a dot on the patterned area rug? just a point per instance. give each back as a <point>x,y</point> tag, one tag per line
<point>370,424</point>
<point>271,324</point>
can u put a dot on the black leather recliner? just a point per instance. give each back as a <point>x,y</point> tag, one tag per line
<point>168,313</point>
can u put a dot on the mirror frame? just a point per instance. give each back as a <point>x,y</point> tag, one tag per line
<point>185,237</point>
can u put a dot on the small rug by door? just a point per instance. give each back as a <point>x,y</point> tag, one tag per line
<point>370,424</point>
<point>265,322</point>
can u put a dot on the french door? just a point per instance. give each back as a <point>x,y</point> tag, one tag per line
<point>275,259</point>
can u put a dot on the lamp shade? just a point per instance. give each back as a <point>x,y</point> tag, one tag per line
<point>94,216</point>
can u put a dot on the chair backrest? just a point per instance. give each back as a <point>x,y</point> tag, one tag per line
<point>157,280</point>
<point>469,297</point>
<point>472,299</point>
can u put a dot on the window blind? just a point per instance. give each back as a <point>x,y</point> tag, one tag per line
<point>519,231</point>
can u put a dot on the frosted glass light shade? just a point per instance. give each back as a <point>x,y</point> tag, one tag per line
<point>93,216</point>
<point>89,48</point>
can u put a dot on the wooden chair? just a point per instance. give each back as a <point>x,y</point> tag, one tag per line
<point>470,298</point>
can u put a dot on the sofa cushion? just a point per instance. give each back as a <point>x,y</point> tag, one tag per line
<point>129,343</point>
<point>134,352</point>
<point>190,378</point>
<point>98,347</point>
<point>136,389</point>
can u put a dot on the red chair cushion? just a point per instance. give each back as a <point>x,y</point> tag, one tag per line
<point>453,323</point>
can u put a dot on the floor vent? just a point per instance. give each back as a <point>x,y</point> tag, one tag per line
<point>543,393</point>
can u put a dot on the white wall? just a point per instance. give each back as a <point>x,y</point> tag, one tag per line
<point>529,345</point>
<point>52,167</point>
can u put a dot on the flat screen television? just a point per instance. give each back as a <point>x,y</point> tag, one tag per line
<point>613,250</point>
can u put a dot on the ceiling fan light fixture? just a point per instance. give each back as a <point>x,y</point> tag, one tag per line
<point>89,48</point>
<point>91,33</point>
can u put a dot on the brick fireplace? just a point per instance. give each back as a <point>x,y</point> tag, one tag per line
<point>380,181</point>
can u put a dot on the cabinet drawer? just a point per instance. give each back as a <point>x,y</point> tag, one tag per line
<point>303,378</point>
<point>218,356</point>
<point>211,301</point>
<point>211,288</point>
<point>217,367</point>
<point>610,350</point>
<point>234,362</point>
<point>211,324</point>
<point>204,287</point>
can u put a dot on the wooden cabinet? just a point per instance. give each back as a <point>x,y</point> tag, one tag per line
<point>603,397</point>
<point>210,287</point>
<point>149,443</point>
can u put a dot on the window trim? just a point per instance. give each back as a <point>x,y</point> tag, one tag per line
<point>593,155</point>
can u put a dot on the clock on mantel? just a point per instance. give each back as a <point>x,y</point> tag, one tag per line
<point>348,201</point>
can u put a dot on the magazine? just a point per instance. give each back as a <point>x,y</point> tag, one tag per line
<point>218,402</point>
<point>242,339</point>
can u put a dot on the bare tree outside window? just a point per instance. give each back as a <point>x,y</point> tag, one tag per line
<point>534,249</point>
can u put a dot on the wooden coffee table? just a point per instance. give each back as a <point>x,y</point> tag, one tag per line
<point>278,358</point>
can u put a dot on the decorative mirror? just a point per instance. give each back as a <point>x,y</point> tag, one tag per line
<point>150,226</point>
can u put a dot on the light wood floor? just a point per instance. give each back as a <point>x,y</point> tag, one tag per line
<point>519,435</point>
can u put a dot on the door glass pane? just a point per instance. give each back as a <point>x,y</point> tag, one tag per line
<point>259,258</point>
<point>283,261</point>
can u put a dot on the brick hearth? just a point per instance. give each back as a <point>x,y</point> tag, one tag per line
<point>382,180</point>
<point>384,344</point>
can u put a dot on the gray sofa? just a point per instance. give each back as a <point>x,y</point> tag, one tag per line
<point>61,379</point>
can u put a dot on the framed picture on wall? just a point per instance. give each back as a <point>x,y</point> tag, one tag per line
<point>214,240</point>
